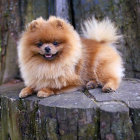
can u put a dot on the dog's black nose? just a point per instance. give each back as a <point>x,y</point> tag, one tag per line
<point>47,49</point>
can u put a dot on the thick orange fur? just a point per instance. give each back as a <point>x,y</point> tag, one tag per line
<point>77,62</point>
<point>101,64</point>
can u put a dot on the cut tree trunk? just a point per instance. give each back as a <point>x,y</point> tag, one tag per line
<point>89,115</point>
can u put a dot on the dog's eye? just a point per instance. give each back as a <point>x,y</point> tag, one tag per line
<point>39,44</point>
<point>55,43</point>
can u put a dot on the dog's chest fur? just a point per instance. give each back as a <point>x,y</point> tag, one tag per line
<point>51,76</point>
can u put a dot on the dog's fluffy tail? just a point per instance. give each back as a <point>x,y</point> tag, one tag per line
<point>103,31</point>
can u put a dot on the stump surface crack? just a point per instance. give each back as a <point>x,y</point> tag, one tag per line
<point>98,103</point>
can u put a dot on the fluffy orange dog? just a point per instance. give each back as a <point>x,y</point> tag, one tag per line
<point>54,59</point>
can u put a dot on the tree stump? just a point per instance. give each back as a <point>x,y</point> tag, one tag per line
<point>89,115</point>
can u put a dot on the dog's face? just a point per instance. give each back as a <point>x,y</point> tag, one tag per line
<point>51,39</point>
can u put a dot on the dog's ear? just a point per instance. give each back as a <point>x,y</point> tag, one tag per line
<point>58,22</point>
<point>32,26</point>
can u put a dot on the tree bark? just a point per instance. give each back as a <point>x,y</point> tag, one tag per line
<point>9,34</point>
<point>63,9</point>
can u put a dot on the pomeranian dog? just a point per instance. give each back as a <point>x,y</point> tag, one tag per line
<point>53,58</point>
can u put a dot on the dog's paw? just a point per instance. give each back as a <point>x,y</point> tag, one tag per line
<point>91,85</point>
<point>25,92</point>
<point>43,93</point>
<point>107,89</point>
